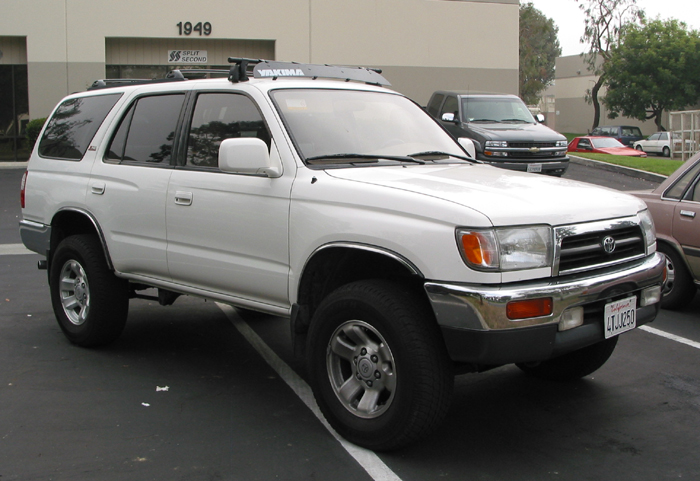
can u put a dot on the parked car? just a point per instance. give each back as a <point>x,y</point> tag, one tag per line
<point>627,134</point>
<point>660,143</point>
<point>315,193</point>
<point>602,145</point>
<point>504,132</point>
<point>675,208</point>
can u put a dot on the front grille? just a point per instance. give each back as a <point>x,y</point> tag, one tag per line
<point>529,145</point>
<point>586,251</point>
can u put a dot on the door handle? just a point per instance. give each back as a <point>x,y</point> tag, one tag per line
<point>98,188</point>
<point>688,213</point>
<point>183,198</point>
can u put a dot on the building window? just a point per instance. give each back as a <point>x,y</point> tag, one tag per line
<point>14,113</point>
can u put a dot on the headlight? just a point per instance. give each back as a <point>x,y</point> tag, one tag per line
<point>562,143</point>
<point>647,223</point>
<point>506,249</point>
<point>496,143</point>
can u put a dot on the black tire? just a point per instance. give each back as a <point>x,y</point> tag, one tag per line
<point>679,288</point>
<point>91,304</point>
<point>380,343</point>
<point>639,148</point>
<point>667,152</point>
<point>573,365</point>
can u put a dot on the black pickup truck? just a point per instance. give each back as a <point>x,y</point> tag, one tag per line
<point>503,131</point>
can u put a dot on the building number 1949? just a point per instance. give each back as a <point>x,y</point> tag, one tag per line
<point>186,28</point>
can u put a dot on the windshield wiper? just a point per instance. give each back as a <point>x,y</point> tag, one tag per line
<point>433,153</point>
<point>516,120</point>
<point>352,158</point>
<point>486,120</point>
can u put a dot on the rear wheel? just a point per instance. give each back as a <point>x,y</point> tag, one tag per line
<point>378,366</point>
<point>91,304</point>
<point>573,365</point>
<point>679,288</point>
<point>667,152</point>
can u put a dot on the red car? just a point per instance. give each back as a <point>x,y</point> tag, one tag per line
<point>602,145</point>
<point>675,208</point>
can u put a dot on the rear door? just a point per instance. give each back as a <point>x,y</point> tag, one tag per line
<point>127,190</point>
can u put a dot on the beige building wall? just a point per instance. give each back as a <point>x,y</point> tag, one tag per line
<point>422,45</point>
<point>573,113</point>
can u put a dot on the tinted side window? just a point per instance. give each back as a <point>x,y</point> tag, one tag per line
<point>435,104</point>
<point>146,133</point>
<point>676,191</point>
<point>451,106</point>
<point>73,125</point>
<point>219,116</point>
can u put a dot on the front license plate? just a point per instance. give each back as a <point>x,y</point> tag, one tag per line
<point>620,316</point>
<point>534,168</point>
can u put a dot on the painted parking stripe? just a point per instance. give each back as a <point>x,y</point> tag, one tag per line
<point>14,249</point>
<point>672,337</point>
<point>371,463</point>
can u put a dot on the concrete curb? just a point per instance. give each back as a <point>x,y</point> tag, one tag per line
<point>13,165</point>
<point>641,174</point>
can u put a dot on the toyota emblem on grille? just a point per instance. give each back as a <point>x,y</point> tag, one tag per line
<point>609,245</point>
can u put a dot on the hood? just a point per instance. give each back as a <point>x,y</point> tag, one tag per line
<point>505,197</point>
<point>516,132</point>
<point>620,151</point>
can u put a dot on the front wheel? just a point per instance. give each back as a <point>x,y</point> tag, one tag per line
<point>573,365</point>
<point>639,148</point>
<point>378,366</point>
<point>91,304</point>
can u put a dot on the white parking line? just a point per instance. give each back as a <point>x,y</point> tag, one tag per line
<point>371,463</point>
<point>14,249</point>
<point>672,337</point>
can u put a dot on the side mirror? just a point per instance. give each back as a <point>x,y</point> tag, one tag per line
<point>540,118</point>
<point>249,156</point>
<point>468,145</point>
<point>449,117</point>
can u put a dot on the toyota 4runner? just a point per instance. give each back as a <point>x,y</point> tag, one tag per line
<point>346,208</point>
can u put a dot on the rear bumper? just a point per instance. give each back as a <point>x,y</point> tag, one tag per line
<point>35,236</point>
<point>476,329</point>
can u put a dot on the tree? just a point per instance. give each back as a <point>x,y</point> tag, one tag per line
<point>655,67</point>
<point>539,49</point>
<point>605,20</point>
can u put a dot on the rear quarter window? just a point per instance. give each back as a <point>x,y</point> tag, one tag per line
<point>73,125</point>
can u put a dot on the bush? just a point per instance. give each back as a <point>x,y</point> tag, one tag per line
<point>33,129</point>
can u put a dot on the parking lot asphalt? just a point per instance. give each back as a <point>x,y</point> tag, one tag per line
<point>184,395</point>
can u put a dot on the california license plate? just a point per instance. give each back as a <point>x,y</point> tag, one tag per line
<point>620,316</point>
<point>534,167</point>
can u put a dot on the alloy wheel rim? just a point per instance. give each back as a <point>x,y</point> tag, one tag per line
<point>74,292</point>
<point>361,369</point>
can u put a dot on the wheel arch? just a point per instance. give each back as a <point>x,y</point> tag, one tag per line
<point>336,264</point>
<point>73,221</point>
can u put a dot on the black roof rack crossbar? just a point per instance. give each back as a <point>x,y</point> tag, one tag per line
<point>273,69</point>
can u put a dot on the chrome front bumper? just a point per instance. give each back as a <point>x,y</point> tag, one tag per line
<point>476,329</point>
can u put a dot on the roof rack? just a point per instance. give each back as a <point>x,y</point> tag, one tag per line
<point>240,71</point>
<point>120,82</point>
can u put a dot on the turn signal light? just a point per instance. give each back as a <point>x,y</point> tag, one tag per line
<point>530,308</point>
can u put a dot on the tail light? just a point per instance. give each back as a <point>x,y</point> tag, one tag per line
<point>23,186</point>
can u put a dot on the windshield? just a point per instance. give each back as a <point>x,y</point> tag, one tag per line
<point>359,125</point>
<point>495,109</point>
<point>606,143</point>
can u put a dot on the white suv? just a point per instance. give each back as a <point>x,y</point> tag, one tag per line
<point>316,193</point>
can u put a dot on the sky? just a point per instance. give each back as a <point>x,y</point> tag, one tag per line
<point>570,19</point>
